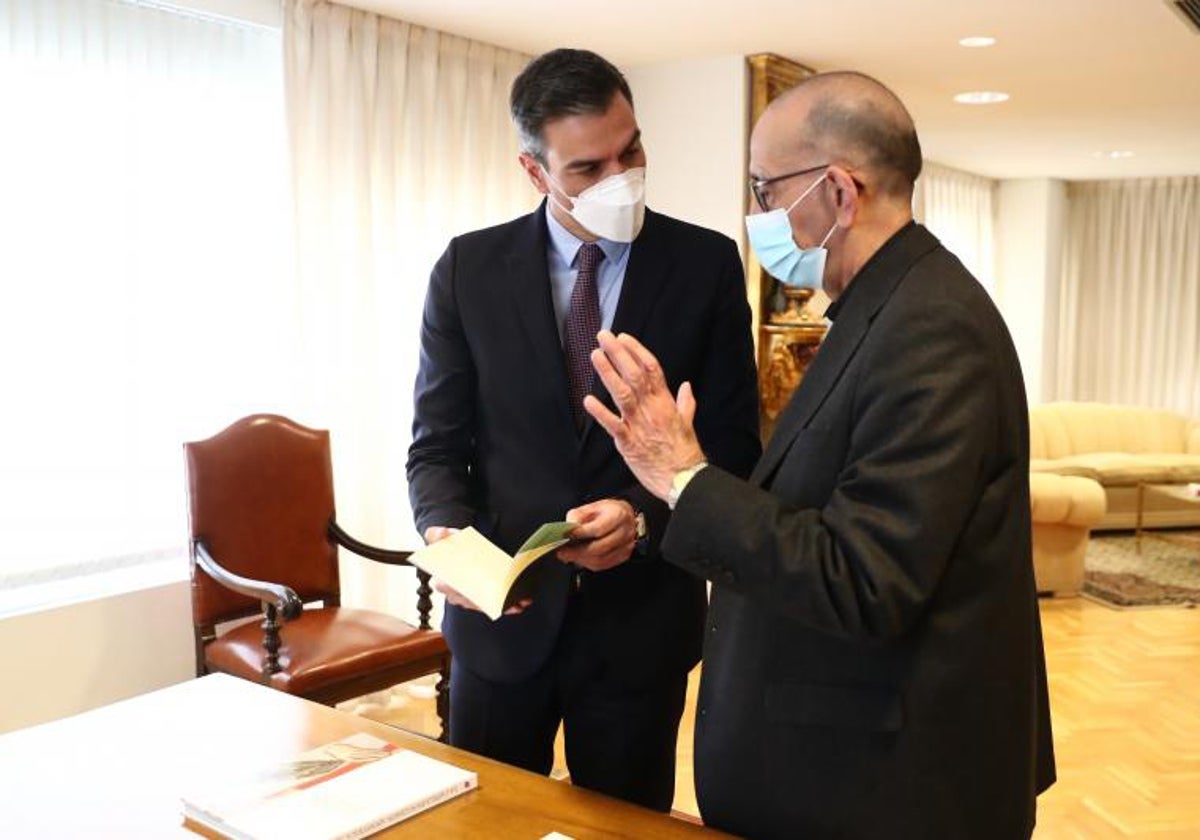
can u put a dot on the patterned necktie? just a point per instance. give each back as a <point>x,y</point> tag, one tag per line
<point>583,322</point>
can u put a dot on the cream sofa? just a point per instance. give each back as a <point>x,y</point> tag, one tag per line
<point>1119,447</point>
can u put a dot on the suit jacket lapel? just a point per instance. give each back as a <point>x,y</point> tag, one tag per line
<point>646,275</point>
<point>873,286</point>
<point>529,278</point>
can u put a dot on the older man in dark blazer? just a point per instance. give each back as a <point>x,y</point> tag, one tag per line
<point>873,666</point>
<point>501,441</point>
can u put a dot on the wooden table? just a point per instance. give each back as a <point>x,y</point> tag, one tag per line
<point>118,771</point>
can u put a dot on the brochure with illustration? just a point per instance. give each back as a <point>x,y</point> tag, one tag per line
<point>346,789</point>
<point>469,562</point>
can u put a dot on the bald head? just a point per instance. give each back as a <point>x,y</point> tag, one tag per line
<point>850,118</point>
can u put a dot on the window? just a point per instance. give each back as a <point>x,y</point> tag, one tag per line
<point>144,262</point>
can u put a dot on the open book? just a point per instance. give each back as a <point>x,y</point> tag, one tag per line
<point>346,789</point>
<point>481,571</point>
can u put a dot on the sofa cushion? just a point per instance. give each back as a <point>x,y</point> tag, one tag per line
<point>1063,466</point>
<point>1114,469</point>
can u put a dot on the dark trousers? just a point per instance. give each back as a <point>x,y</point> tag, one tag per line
<point>620,740</point>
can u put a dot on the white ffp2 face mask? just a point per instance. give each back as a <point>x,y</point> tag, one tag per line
<point>613,209</point>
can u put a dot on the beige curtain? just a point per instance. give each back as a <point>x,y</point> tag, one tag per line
<point>400,138</point>
<point>1130,295</point>
<point>959,208</point>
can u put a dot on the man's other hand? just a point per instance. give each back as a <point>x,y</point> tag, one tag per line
<point>604,537</point>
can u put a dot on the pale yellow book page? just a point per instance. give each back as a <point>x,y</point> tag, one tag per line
<point>470,563</point>
<point>527,557</point>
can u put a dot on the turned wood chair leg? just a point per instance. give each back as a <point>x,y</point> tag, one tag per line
<point>443,700</point>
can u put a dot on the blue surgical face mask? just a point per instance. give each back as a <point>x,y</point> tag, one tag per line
<point>771,238</point>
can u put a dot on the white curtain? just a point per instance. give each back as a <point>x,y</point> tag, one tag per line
<point>960,210</point>
<point>400,138</point>
<point>145,294</point>
<point>1130,294</point>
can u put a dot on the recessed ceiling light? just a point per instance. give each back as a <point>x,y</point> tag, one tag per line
<point>1116,154</point>
<point>977,41</point>
<point>980,97</point>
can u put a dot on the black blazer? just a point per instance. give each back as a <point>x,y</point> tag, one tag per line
<point>873,666</point>
<point>495,445</point>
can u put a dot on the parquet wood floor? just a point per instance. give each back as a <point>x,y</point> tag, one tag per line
<point>1125,699</point>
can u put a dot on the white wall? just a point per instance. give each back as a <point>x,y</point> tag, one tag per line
<point>693,117</point>
<point>68,659</point>
<point>1030,221</point>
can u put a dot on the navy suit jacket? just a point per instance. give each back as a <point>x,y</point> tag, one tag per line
<point>495,444</point>
<point>874,664</point>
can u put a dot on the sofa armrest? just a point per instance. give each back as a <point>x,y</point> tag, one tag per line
<point>1066,499</point>
<point>1193,444</point>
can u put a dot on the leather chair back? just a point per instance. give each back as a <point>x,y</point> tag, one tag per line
<point>260,498</point>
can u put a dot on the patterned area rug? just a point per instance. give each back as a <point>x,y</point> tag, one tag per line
<point>1166,569</point>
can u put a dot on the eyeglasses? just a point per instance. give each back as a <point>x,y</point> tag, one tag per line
<point>757,184</point>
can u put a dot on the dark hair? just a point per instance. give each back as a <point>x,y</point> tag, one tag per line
<point>562,83</point>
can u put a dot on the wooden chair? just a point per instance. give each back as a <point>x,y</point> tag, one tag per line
<point>264,539</point>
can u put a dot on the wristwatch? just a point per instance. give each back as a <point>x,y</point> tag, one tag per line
<point>680,481</point>
<point>639,524</point>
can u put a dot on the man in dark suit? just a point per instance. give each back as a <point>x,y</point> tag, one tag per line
<point>873,663</point>
<point>501,441</point>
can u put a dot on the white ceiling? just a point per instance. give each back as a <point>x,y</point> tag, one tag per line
<point>1085,76</point>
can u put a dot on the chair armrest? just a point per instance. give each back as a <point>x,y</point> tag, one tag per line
<point>393,558</point>
<point>381,555</point>
<point>283,598</point>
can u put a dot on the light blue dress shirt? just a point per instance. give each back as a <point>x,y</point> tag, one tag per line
<point>561,252</point>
